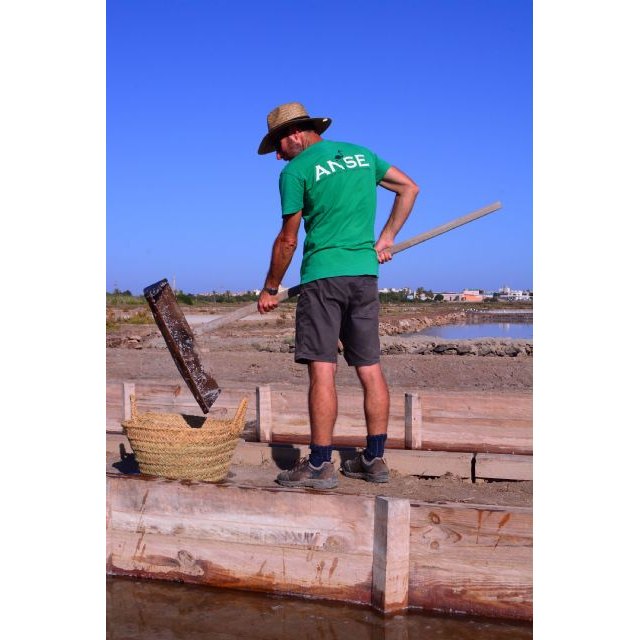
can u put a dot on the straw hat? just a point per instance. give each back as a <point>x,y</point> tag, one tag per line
<point>284,115</point>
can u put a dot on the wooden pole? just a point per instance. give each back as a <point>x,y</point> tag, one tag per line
<point>391,542</point>
<point>412,421</point>
<point>128,390</point>
<point>264,418</point>
<point>458,222</point>
<point>285,294</point>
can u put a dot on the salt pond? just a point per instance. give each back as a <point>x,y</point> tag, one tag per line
<point>515,330</point>
<point>152,609</point>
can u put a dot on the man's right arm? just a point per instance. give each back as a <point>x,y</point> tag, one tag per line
<point>406,191</point>
<point>282,252</point>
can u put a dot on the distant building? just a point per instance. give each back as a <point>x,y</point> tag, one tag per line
<point>471,295</point>
<point>449,296</point>
<point>507,294</point>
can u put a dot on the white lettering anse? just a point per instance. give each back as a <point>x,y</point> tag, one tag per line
<point>350,162</point>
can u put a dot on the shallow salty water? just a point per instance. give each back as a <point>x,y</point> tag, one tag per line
<point>157,610</point>
<point>515,330</point>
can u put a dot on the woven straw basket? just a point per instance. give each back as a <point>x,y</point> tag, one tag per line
<point>184,447</point>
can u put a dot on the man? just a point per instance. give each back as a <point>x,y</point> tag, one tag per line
<point>332,187</point>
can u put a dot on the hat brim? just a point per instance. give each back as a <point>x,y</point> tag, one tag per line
<point>268,142</point>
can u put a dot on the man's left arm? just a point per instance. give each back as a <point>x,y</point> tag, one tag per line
<point>406,191</point>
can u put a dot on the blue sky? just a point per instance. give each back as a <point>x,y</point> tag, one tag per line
<point>441,89</point>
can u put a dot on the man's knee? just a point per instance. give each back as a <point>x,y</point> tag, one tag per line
<point>322,372</point>
<point>370,373</point>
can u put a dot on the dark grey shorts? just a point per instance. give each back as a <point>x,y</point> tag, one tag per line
<point>344,308</point>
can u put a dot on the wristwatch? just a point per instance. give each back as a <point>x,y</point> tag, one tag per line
<point>271,292</point>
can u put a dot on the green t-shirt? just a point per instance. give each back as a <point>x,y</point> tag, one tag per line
<point>334,183</point>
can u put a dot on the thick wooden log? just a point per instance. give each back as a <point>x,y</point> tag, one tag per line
<point>472,559</point>
<point>390,588</point>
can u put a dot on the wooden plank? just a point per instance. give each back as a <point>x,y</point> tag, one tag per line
<point>291,430</point>
<point>429,463</point>
<point>451,421</point>
<point>417,463</point>
<point>114,407</point>
<point>472,559</point>
<point>291,415</point>
<point>468,559</point>
<point>114,440</point>
<point>504,404</point>
<point>478,422</point>
<point>479,435</point>
<point>165,397</point>
<point>503,467</point>
<point>177,398</point>
<point>301,543</point>
<point>390,579</point>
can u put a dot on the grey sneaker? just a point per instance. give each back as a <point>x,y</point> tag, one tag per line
<point>304,474</point>
<point>358,467</point>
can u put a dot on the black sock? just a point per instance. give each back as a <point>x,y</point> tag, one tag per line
<point>375,447</point>
<point>320,454</point>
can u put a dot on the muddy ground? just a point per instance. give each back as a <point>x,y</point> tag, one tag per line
<point>257,351</point>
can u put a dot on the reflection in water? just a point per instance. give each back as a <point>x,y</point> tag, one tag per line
<point>156,610</point>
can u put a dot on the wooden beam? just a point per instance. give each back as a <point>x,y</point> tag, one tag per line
<point>416,463</point>
<point>390,580</point>
<point>463,559</point>
<point>504,467</point>
<point>472,559</point>
<point>499,423</point>
<point>283,541</point>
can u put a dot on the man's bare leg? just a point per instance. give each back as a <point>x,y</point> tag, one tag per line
<point>317,470</point>
<point>376,398</point>
<point>323,401</point>
<point>370,464</point>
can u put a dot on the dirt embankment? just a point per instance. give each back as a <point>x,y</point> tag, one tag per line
<point>259,350</point>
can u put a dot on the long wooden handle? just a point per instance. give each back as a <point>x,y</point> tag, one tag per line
<point>458,222</point>
<point>248,309</point>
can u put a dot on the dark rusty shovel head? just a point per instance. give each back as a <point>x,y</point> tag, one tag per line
<point>181,343</point>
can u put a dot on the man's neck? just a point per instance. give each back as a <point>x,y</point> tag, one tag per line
<point>310,137</point>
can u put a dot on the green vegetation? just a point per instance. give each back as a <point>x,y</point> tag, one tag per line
<point>119,298</point>
<point>142,316</point>
<point>217,298</point>
<point>124,299</point>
